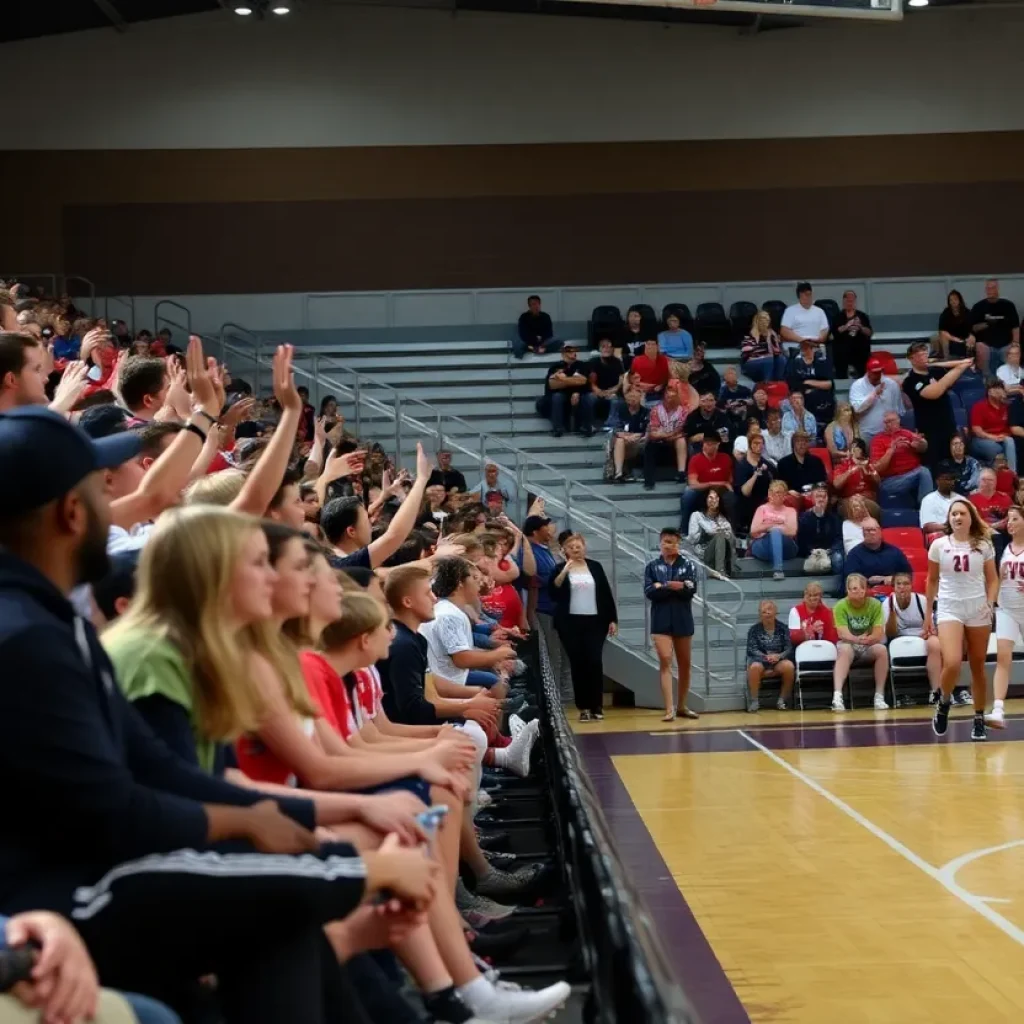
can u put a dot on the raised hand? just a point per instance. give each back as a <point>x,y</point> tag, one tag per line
<point>238,413</point>
<point>338,466</point>
<point>217,377</point>
<point>72,384</point>
<point>320,430</point>
<point>422,462</point>
<point>204,394</point>
<point>285,391</point>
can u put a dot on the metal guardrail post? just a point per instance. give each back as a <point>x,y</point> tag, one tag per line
<point>316,381</point>
<point>358,395</point>
<point>612,530</point>
<point>483,456</point>
<point>521,505</point>
<point>398,431</point>
<point>439,441</point>
<point>568,502</point>
<point>703,577</point>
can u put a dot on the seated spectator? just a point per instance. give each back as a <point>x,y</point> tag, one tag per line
<point>773,530</point>
<point>860,626</point>
<point>904,614</point>
<point>990,425</point>
<point>703,376</point>
<point>605,376</point>
<point>650,372</point>
<point>811,373</point>
<point>935,506</point>
<point>994,321</point>
<point>674,341</point>
<point>435,507</point>
<point>796,416</point>
<point>993,508</point>
<point>896,454</point>
<point>494,481</point>
<point>751,478</point>
<point>777,443</point>
<point>735,400</point>
<point>852,337</point>
<point>1011,373</point>
<point>563,389</point>
<point>819,535</point>
<point>22,372</point>
<point>710,533</point>
<point>956,334</point>
<point>448,478</point>
<point>704,420</point>
<point>761,357</point>
<point>710,470</point>
<point>801,471</point>
<point>856,474</point>
<point>63,346</point>
<point>872,396</point>
<point>679,381</point>
<point>631,342</point>
<point>741,445</point>
<point>1006,478</point>
<point>665,437</point>
<point>855,510</point>
<point>760,407</point>
<point>812,618</point>
<point>534,332</point>
<point>804,321</point>
<point>629,439</point>
<point>839,434</point>
<point>966,467</point>
<point>875,559</point>
<point>769,654</point>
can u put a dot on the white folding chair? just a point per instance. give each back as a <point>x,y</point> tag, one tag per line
<point>815,661</point>
<point>908,656</point>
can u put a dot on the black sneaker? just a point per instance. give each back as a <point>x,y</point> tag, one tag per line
<point>585,716</point>
<point>933,697</point>
<point>628,478</point>
<point>940,720</point>
<point>648,487</point>
<point>978,732</point>
<point>618,479</point>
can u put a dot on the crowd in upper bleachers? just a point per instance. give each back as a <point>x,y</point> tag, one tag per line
<point>259,686</point>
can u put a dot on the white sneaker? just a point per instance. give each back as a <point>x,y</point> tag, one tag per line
<point>515,757</point>
<point>880,704</point>
<point>837,702</point>
<point>483,799</point>
<point>516,725</point>
<point>509,1004</point>
<point>995,719</point>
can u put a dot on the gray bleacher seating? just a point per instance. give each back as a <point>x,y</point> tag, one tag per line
<point>712,325</point>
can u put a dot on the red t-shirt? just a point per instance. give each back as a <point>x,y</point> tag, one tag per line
<point>904,459</point>
<point>821,619</point>
<point>649,372</point>
<point>505,603</point>
<point>369,694</point>
<point>328,693</point>
<point>711,471</point>
<point>855,483</point>
<point>1006,481</point>
<point>991,419</point>
<point>992,509</point>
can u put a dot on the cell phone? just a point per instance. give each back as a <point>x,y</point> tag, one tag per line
<point>16,964</point>
<point>432,819</point>
<point>95,373</point>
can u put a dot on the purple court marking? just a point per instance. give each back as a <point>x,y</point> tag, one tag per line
<point>696,967</point>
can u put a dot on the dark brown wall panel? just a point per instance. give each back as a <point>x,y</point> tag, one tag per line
<point>747,234</point>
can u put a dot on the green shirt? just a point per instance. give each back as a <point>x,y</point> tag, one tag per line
<point>149,666</point>
<point>859,621</point>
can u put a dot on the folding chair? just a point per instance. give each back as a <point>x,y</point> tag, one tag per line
<point>905,537</point>
<point>900,517</point>
<point>908,657</point>
<point>826,457</point>
<point>815,662</point>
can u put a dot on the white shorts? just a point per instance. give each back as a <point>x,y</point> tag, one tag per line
<point>1009,627</point>
<point>968,613</point>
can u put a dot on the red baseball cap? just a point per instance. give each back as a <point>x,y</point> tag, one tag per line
<point>874,363</point>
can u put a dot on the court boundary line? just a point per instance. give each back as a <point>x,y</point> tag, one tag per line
<point>944,876</point>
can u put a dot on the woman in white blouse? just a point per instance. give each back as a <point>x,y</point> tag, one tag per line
<point>585,614</point>
<point>712,538</point>
<point>1011,373</point>
<point>857,510</point>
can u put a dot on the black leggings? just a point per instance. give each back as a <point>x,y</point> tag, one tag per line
<point>583,640</point>
<point>255,921</point>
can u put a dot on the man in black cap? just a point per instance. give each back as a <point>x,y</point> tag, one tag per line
<point>566,383</point>
<point>92,790</point>
<point>539,531</point>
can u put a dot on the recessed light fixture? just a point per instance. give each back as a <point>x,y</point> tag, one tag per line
<point>917,3</point>
<point>281,9</point>
<point>243,11</point>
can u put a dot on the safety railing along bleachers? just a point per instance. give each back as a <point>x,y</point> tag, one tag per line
<point>57,284</point>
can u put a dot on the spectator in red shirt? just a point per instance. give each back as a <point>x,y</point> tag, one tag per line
<point>896,454</point>
<point>709,470</point>
<point>812,618</point>
<point>992,505</point>
<point>990,426</point>
<point>856,475</point>
<point>1006,479</point>
<point>650,371</point>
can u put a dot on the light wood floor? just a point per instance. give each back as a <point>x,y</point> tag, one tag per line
<point>856,884</point>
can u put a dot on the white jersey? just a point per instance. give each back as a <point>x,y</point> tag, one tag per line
<point>909,620</point>
<point>961,568</point>
<point>1011,582</point>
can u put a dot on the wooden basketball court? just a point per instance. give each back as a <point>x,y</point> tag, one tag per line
<point>821,868</point>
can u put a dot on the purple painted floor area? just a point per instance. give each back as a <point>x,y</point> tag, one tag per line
<point>696,966</point>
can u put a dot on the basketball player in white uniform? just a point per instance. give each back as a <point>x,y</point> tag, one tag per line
<point>962,574</point>
<point>1009,614</point>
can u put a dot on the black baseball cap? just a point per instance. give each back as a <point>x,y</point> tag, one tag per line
<point>534,523</point>
<point>43,456</point>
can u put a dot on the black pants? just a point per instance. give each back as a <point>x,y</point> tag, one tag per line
<point>847,351</point>
<point>655,452</point>
<point>583,640</point>
<point>155,925</point>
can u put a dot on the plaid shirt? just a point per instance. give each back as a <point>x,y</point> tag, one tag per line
<point>664,422</point>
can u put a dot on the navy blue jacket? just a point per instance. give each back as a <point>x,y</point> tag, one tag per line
<point>886,561</point>
<point>87,783</point>
<point>670,609</point>
<point>814,531</point>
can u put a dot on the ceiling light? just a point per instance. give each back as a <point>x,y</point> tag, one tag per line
<point>918,3</point>
<point>243,11</point>
<point>281,9</point>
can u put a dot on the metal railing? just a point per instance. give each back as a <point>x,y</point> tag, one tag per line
<point>631,540</point>
<point>158,319</point>
<point>128,301</point>
<point>58,284</point>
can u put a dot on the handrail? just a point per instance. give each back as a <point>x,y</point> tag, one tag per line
<point>89,284</point>
<point>176,305</point>
<point>125,300</point>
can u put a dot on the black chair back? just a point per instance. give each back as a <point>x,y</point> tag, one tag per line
<point>741,315</point>
<point>775,308</point>
<point>605,321</point>
<point>681,310</point>
<point>712,325</point>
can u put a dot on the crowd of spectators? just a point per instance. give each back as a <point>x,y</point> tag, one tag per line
<point>258,683</point>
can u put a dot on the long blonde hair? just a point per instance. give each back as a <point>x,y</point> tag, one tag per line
<point>836,423</point>
<point>183,588</point>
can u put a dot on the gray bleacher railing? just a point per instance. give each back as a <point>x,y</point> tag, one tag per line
<point>376,400</point>
<point>128,301</point>
<point>57,284</point>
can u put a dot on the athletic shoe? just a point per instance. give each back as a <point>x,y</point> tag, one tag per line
<point>509,1004</point>
<point>515,725</point>
<point>501,885</point>
<point>753,706</point>
<point>837,702</point>
<point>478,910</point>
<point>483,798</point>
<point>964,697</point>
<point>501,859</point>
<point>597,716</point>
<point>780,705</point>
<point>940,720</point>
<point>778,575</point>
<point>585,716</point>
<point>934,697</point>
<point>490,841</point>
<point>978,731</point>
<point>515,758</point>
<point>880,704</point>
<point>996,719</point>
<point>447,1007</point>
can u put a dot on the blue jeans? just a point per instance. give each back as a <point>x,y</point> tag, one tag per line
<point>985,450</point>
<point>764,368</point>
<point>592,406</point>
<point>149,1011</point>
<point>774,547</point>
<point>894,490</point>
<point>561,407</point>
<point>481,677</point>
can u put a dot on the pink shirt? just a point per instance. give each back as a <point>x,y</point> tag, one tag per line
<point>768,517</point>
